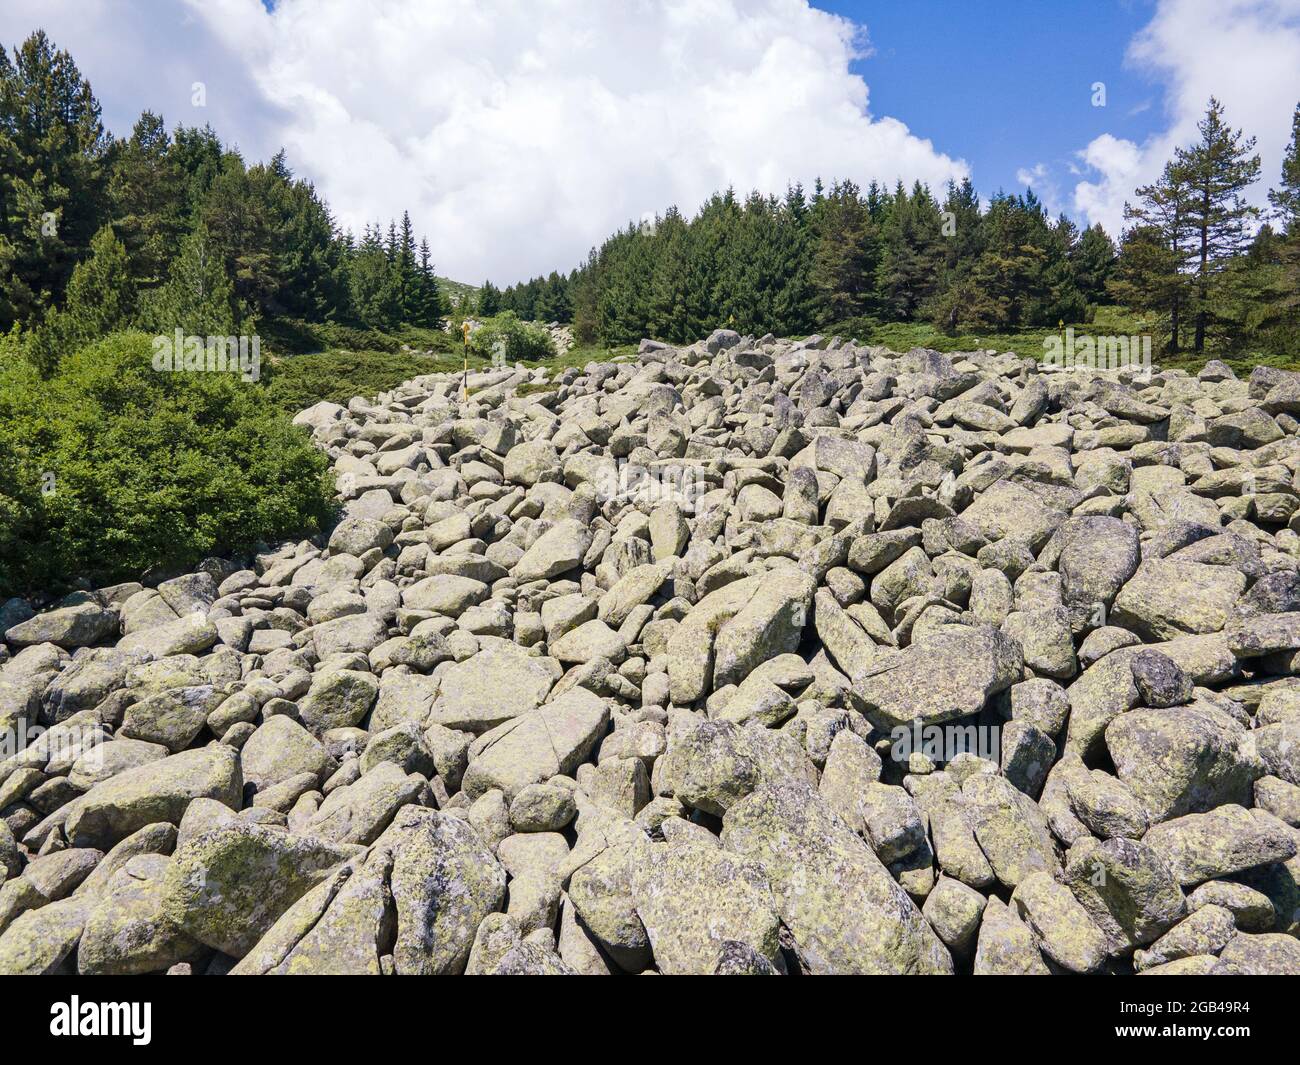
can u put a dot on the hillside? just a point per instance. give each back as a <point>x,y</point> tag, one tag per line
<point>457,292</point>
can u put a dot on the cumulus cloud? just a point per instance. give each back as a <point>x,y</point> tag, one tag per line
<point>1039,178</point>
<point>518,132</point>
<point>1245,52</point>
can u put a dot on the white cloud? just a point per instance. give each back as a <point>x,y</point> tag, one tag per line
<point>518,132</point>
<point>1039,178</point>
<point>1245,52</point>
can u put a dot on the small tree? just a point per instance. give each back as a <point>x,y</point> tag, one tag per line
<point>1286,197</point>
<point>101,298</point>
<point>198,297</point>
<point>1093,263</point>
<point>489,299</point>
<point>1152,254</point>
<point>1217,169</point>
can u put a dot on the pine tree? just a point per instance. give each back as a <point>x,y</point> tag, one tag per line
<point>668,309</point>
<point>198,297</point>
<point>1286,197</point>
<point>146,195</point>
<point>911,251</point>
<point>1147,276</point>
<point>199,156</point>
<point>709,236</point>
<point>1093,263</point>
<point>409,280</point>
<point>792,304</point>
<point>375,298</point>
<point>961,227</point>
<point>489,300</point>
<point>429,308</point>
<point>1010,271</point>
<point>1217,170</point>
<point>240,220</point>
<point>1060,298</point>
<point>1281,286</point>
<point>53,196</point>
<point>309,259</point>
<point>585,285</point>
<point>100,298</point>
<point>845,254</point>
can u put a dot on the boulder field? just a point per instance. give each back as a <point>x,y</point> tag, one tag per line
<point>754,656</point>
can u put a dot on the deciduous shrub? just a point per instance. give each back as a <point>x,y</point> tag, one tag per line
<point>524,341</point>
<point>110,467</point>
<point>294,384</point>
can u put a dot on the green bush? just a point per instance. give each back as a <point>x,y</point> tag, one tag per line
<point>524,341</point>
<point>293,336</point>
<point>423,339</point>
<point>293,384</point>
<point>860,329</point>
<point>110,467</point>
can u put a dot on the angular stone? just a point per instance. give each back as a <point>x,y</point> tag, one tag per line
<point>948,675</point>
<point>1182,760</point>
<point>691,899</point>
<point>1224,841</point>
<point>843,909</point>
<point>228,885</point>
<point>530,749</point>
<point>157,791</point>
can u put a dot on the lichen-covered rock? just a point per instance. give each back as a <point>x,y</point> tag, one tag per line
<point>156,791</point>
<point>41,941</point>
<point>1127,888</point>
<point>1206,931</point>
<point>69,627</point>
<point>601,890</point>
<point>1167,598</point>
<point>359,812</point>
<point>1227,840</point>
<point>127,931</point>
<point>475,695</point>
<point>1269,954</point>
<point>279,749</point>
<point>534,747</point>
<point>1065,932</point>
<point>1006,945</point>
<point>843,909</point>
<point>1182,760</point>
<point>340,927</point>
<point>949,675</point>
<point>228,885</point>
<point>1011,829</point>
<point>444,882</point>
<point>693,899</point>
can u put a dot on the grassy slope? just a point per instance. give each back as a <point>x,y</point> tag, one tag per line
<point>1109,321</point>
<point>456,291</point>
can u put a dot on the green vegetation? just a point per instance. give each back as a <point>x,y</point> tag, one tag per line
<point>1190,255</point>
<point>108,467</point>
<point>581,354</point>
<point>293,384</point>
<point>515,340</point>
<point>164,230</point>
<point>1030,342</point>
<point>1192,266</point>
<point>460,296</point>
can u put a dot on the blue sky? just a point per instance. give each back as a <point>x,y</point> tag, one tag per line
<point>519,133</point>
<point>1008,85</point>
